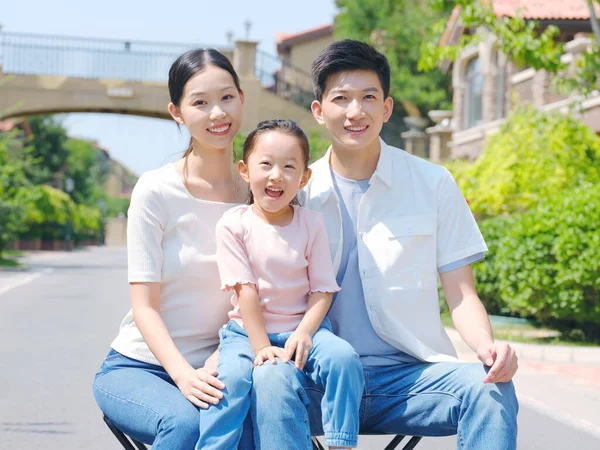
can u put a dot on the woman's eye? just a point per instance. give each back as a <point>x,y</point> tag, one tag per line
<point>199,103</point>
<point>227,97</point>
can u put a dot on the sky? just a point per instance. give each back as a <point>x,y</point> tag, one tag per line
<point>142,143</point>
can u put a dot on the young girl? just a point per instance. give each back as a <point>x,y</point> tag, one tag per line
<point>274,256</point>
<point>159,370</point>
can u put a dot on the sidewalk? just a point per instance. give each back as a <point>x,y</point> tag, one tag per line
<point>562,382</point>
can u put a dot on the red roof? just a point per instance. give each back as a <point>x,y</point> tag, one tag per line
<point>543,9</point>
<point>285,40</point>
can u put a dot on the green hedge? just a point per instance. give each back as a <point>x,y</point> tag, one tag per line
<point>534,156</point>
<point>545,263</point>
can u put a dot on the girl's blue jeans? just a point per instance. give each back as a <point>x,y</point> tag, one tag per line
<point>422,399</point>
<point>144,403</point>
<point>333,365</point>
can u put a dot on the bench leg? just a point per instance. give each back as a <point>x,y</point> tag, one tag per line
<point>122,438</point>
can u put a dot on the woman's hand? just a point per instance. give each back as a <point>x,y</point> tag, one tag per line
<point>270,353</point>
<point>300,343</point>
<point>200,386</point>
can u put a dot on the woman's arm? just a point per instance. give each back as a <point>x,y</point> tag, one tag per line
<point>198,386</point>
<point>254,324</point>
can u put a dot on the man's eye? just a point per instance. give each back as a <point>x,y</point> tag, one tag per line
<point>289,166</point>
<point>370,96</point>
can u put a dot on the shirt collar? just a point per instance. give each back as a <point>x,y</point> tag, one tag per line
<point>322,182</point>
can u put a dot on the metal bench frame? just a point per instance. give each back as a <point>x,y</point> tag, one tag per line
<point>394,443</point>
<point>128,443</point>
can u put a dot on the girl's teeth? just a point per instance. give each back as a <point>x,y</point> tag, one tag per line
<point>220,129</point>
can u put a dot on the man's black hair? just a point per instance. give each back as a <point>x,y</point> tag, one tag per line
<point>349,55</point>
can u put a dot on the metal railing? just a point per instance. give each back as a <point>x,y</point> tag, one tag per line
<point>283,79</point>
<point>36,54</point>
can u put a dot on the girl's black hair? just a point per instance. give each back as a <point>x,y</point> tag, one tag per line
<point>188,65</point>
<point>288,127</point>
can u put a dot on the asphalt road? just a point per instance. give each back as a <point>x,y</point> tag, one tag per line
<point>56,324</point>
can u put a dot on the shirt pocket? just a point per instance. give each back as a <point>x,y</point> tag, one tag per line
<point>405,246</point>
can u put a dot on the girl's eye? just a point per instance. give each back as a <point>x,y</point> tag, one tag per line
<point>199,103</point>
<point>339,97</point>
<point>265,163</point>
<point>227,97</point>
<point>289,166</point>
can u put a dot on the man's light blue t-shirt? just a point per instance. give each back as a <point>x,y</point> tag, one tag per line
<point>348,313</point>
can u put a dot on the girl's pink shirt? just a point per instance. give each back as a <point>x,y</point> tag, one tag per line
<point>285,263</point>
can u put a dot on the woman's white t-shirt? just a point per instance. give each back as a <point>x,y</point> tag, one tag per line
<point>171,240</point>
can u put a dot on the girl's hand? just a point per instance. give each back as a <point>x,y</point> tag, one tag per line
<point>300,343</point>
<point>270,353</point>
<point>200,386</point>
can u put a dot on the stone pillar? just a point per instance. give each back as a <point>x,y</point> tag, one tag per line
<point>415,138</point>
<point>439,135</point>
<point>244,58</point>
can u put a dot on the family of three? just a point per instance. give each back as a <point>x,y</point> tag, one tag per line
<point>332,271</point>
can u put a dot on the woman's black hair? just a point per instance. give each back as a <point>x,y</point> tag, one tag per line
<point>188,65</point>
<point>288,127</point>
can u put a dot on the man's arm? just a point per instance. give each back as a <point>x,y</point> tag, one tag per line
<point>471,320</point>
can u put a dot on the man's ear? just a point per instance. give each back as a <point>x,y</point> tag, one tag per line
<point>243,170</point>
<point>388,108</point>
<point>305,177</point>
<point>317,111</point>
<point>175,113</point>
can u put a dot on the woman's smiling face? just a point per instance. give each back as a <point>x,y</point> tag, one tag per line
<point>211,108</point>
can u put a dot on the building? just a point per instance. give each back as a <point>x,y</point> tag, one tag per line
<point>487,85</point>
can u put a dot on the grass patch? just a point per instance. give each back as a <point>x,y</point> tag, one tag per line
<point>524,331</point>
<point>4,262</point>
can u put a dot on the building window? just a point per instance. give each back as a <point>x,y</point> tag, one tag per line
<point>473,93</point>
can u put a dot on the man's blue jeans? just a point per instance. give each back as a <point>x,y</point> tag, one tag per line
<point>144,403</point>
<point>421,399</point>
<point>333,365</point>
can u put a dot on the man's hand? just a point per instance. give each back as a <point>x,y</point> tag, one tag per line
<point>270,353</point>
<point>502,360</point>
<point>300,343</point>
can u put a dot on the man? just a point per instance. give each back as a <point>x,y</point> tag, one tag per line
<point>394,222</point>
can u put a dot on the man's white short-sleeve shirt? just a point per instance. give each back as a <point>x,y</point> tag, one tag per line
<point>412,220</point>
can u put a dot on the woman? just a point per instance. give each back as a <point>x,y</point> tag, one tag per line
<point>166,342</point>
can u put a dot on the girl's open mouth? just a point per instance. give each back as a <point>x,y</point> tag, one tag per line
<point>274,192</point>
<point>220,130</point>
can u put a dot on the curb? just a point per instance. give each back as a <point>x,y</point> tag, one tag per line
<point>535,352</point>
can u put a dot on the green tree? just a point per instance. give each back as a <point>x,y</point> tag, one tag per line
<point>16,190</point>
<point>397,28</point>
<point>88,168</point>
<point>48,139</point>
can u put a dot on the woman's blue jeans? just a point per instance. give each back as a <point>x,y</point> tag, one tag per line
<point>144,403</point>
<point>420,399</point>
<point>333,365</point>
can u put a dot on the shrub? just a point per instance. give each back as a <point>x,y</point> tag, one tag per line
<point>545,263</point>
<point>534,156</point>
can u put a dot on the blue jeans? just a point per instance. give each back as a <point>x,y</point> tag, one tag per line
<point>333,365</point>
<point>420,399</point>
<point>144,403</point>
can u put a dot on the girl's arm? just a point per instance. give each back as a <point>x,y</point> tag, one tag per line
<point>198,386</point>
<point>254,324</point>
<point>318,305</point>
